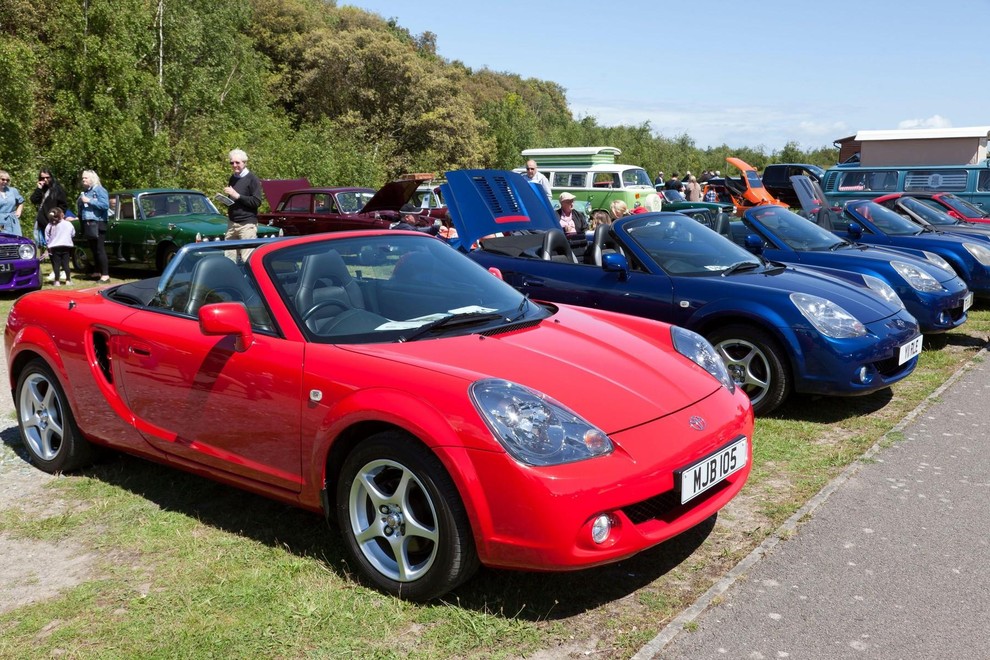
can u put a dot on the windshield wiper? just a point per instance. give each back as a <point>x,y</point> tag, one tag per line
<point>739,266</point>
<point>836,246</point>
<point>467,318</point>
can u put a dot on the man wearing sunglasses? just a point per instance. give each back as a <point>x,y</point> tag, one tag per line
<point>244,189</point>
<point>534,176</point>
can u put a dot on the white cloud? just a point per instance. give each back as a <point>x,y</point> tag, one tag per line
<point>935,121</point>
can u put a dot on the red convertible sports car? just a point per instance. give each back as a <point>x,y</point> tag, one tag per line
<point>433,414</point>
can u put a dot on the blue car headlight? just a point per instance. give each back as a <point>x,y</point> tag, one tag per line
<point>827,317</point>
<point>884,290</point>
<point>979,253</point>
<point>916,278</point>
<point>25,251</point>
<point>939,261</point>
<point>697,349</point>
<point>534,428</point>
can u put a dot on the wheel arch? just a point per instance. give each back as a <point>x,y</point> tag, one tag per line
<point>370,413</point>
<point>787,344</point>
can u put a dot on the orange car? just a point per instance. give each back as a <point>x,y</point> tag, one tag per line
<point>744,192</point>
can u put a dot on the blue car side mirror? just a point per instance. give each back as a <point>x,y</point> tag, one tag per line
<point>855,231</point>
<point>613,262</point>
<point>754,244</point>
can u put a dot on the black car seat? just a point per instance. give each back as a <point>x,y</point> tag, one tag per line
<point>217,279</point>
<point>602,243</point>
<point>324,276</point>
<point>556,247</point>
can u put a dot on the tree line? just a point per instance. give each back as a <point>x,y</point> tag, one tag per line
<point>153,93</point>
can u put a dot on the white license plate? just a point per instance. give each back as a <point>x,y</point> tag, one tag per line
<point>909,350</point>
<point>968,302</point>
<point>709,471</point>
<point>6,268</point>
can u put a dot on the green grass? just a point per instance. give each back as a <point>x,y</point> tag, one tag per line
<point>190,568</point>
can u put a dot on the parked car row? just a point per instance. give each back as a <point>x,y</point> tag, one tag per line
<point>437,399</point>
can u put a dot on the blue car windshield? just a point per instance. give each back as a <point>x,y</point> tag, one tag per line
<point>926,212</point>
<point>682,246</point>
<point>887,221</point>
<point>793,230</point>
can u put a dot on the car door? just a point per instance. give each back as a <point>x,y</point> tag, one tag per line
<point>200,401</point>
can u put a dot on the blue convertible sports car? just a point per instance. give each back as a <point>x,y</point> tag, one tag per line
<point>778,328</point>
<point>869,222</point>
<point>927,286</point>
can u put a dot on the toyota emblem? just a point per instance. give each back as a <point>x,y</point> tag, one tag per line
<point>698,423</point>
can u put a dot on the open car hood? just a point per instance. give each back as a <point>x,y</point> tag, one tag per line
<point>275,189</point>
<point>809,193</point>
<point>740,164</point>
<point>394,194</point>
<point>485,202</point>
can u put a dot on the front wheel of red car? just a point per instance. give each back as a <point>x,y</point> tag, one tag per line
<point>402,518</point>
<point>48,428</point>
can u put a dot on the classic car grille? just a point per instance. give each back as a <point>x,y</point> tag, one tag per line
<point>9,252</point>
<point>668,504</point>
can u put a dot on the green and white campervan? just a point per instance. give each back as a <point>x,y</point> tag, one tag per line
<point>592,175</point>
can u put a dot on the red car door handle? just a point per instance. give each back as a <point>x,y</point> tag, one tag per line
<point>140,350</point>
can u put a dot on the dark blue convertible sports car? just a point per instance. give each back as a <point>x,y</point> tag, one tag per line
<point>933,293</point>
<point>778,328</point>
<point>868,222</point>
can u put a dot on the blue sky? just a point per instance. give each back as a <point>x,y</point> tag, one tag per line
<point>742,73</point>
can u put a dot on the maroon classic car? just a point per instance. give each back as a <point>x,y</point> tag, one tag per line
<point>301,209</point>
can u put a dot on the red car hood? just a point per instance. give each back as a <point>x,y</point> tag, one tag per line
<point>616,379</point>
<point>392,195</point>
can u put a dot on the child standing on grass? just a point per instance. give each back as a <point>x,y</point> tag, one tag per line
<point>58,234</point>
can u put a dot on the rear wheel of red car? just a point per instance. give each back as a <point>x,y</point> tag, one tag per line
<point>402,518</point>
<point>48,428</point>
<point>752,358</point>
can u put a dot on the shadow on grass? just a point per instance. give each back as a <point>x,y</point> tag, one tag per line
<point>512,594</point>
<point>828,409</point>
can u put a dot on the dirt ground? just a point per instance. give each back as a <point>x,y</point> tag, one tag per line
<point>31,570</point>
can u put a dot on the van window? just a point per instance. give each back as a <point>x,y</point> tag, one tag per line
<point>935,180</point>
<point>855,180</point>
<point>983,184</point>
<point>569,180</point>
<point>606,180</point>
<point>636,177</point>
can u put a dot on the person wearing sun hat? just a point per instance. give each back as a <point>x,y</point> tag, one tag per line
<point>572,221</point>
<point>410,219</point>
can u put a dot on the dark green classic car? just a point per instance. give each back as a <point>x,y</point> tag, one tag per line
<point>148,226</point>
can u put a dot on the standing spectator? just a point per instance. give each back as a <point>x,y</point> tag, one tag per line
<point>659,181</point>
<point>92,208</point>
<point>572,221</point>
<point>693,189</point>
<point>58,236</point>
<point>244,189</point>
<point>11,205</point>
<point>707,174</point>
<point>48,195</point>
<point>533,175</point>
<point>619,209</point>
<point>673,183</point>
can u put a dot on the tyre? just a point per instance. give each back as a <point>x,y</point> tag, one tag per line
<point>48,428</point>
<point>755,364</point>
<point>166,252</point>
<point>402,519</point>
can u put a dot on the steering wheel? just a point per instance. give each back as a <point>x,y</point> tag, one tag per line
<point>325,303</point>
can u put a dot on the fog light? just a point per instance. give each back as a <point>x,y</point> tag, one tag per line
<point>862,375</point>
<point>601,528</point>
